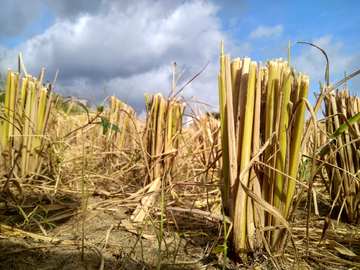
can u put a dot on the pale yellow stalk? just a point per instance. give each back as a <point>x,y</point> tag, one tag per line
<point>269,125</point>
<point>224,139</point>
<point>22,98</point>
<point>284,124</point>
<point>235,69</point>
<point>13,77</point>
<point>233,165</point>
<point>5,126</point>
<point>26,132</point>
<point>296,140</point>
<point>240,114</point>
<point>241,199</point>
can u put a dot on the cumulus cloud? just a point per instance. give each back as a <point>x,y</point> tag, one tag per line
<point>267,31</point>
<point>105,44</point>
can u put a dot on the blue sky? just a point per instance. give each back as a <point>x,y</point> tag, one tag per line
<point>104,43</point>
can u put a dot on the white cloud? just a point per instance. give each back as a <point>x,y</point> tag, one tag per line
<point>140,38</point>
<point>267,31</point>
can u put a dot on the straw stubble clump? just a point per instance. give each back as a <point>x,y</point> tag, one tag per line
<point>208,144</point>
<point>27,115</point>
<point>262,119</point>
<point>161,140</point>
<point>341,152</point>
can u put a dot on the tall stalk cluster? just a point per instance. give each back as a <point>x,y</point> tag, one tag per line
<point>27,112</point>
<point>208,143</point>
<point>342,151</point>
<point>120,115</point>
<point>262,117</point>
<point>161,139</point>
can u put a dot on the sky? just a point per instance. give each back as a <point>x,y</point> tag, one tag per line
<point>124,45</point>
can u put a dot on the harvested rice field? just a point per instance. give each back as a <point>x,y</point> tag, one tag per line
<point>266,183</point>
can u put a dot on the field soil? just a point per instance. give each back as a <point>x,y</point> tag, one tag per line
<point>110,239</point>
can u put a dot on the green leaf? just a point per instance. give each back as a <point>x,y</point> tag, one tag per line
<point>43,208</point>
<point>115,128</point>
<point>327,74</point>
<point>324,149</point>
<point>344,126</point>
<point>189,232</point>
<point>106,125</point>
<point>46,222</point>
<point>58,200</point>
<point>23,213</point>
<point>219,249</point>
<point>307,173</point>
<point>100,108</point>
<point>2,97</point>
<point>345,85</point>
<point>138,159</point>
<point>84,107</point>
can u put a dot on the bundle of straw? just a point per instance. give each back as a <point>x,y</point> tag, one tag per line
<point>249,126</point>
<point>208,142</point>
<point>27,112</point>
<point>342,152</point>
<point>119,115</point>
<point>161,139</point>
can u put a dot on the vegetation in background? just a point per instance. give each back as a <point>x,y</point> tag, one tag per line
<point>216,115</point>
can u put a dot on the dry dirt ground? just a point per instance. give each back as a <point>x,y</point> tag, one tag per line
<point>108,242</point>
